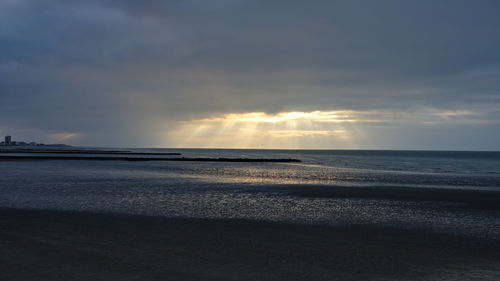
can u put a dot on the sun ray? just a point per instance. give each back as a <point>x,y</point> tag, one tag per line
<point>294,129</point>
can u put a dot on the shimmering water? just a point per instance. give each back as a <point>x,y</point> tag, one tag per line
<point>255,190</point>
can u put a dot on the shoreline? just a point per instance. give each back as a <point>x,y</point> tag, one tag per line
<point>194,159</point>
<point>63,245</point>
<point>83,151</point>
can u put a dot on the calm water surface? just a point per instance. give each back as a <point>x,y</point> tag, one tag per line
<point>255,190</point>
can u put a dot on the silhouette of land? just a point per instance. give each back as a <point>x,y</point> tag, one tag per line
<point>84,151</point>
<point>195,159</point>
<point>8,142</point>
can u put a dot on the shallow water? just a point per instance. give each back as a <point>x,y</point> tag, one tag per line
<point>255,190</point>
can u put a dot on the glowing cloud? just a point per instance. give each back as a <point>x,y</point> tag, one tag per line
<point>294,129</point>
<point>261,117</point>
<point>299,129</point>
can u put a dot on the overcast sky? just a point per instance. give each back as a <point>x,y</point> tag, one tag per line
<point>358,74</point>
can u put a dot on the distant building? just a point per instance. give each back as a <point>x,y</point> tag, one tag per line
<point>8,142</point>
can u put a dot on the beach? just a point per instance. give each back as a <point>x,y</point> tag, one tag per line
<point>249,140</point>
<point>336,215</point>
<point>58,245</point>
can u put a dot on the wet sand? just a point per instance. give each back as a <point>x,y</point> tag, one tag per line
<point>465,198</point>
<point>57,245</point>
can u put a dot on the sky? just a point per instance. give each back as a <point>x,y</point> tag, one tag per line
<point>388,74</point>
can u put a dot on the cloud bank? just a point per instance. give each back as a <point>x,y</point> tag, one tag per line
<point>136,73</point>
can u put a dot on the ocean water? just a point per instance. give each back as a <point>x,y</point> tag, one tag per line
<point>268,191</point>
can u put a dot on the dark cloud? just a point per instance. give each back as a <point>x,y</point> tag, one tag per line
<point>115,69</point>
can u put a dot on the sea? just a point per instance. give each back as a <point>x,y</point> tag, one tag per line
<point>377,187</point>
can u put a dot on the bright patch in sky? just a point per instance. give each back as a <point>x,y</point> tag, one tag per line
<point>261,117</point>
<point>344,129</point>
<point>60,137</point>
<point>262,130</point>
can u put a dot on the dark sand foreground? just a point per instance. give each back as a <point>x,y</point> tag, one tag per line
<point>52,245</point>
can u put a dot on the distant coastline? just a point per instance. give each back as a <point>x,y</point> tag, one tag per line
<point>117,155</point>
<point>9,143</point>
<point>191,159</point>
<point>24,144</point>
